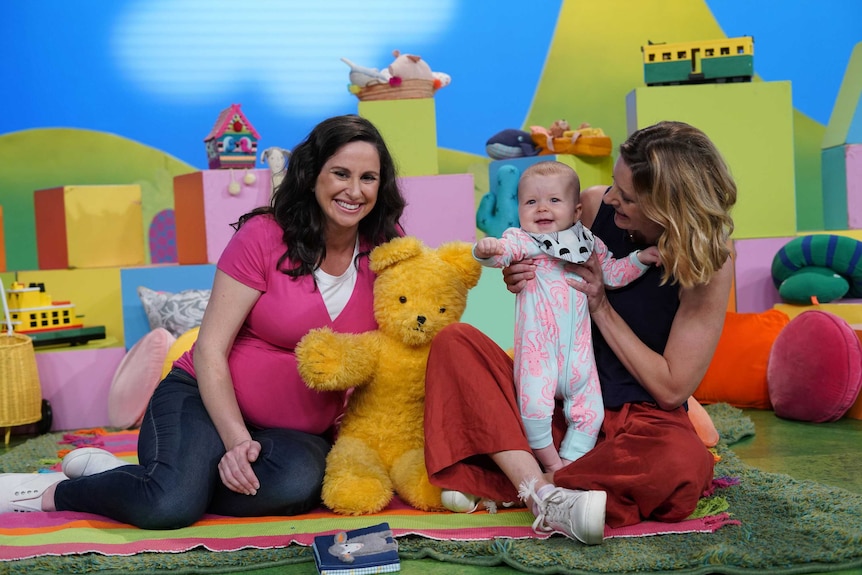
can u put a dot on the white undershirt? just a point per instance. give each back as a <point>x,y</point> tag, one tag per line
<point>336,290</point>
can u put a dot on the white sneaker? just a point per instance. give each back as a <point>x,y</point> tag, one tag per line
<point>23,491</point>
<point>459,502</point>
<point>87,461</point>
<point>576,514</point>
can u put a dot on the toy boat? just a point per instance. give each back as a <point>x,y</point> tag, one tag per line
<point>33,313</point>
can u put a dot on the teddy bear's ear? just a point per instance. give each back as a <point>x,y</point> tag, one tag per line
<point>394,251</point>
<point>459,255</point>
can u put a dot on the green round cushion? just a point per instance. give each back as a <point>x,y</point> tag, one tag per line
<point>813,281</point>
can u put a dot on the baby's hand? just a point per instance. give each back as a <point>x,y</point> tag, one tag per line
<point>650,256</point>
<point>488,247</point>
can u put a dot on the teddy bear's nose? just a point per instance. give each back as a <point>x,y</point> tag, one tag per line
<point>420,319</point>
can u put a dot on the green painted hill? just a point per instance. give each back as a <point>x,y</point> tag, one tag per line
<point>46,158</point>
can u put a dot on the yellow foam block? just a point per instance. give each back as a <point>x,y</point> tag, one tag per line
<point>751,123</point>
<point>591,171</point>
<point>7,278</point>
<point>410,130</point>
<point>849,312</point>
<point>95,293</point>
<point>855,234</point>
<point>855,411</point>
<point>89,226</point>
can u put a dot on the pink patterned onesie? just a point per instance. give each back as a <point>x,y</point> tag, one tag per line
<point>553,337</point>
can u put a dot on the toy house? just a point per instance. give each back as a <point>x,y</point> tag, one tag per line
<point>232,142</point>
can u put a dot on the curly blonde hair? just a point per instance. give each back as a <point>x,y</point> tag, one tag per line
<point>684,185</point>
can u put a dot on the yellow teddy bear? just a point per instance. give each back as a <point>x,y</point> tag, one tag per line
<point>380,446</point>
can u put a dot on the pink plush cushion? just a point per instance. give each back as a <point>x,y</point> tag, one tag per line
<point>815,368</point>
<point>137,377</point>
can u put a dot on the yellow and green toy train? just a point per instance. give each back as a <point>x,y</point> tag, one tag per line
<point>724,60</point>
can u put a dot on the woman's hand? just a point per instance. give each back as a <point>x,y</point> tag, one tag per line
<point>235,467</point>
<point>591,284</point>
<point>517,275</point>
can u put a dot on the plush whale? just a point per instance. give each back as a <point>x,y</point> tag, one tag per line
<point>511,143</point>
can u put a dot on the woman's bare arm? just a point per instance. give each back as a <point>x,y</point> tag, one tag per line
<point>229,304</point>
<point>673,376</point>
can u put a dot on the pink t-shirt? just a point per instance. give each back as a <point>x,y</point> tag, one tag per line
<point>262,363</point>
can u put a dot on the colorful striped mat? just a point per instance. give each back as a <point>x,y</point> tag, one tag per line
<point>28,535</point>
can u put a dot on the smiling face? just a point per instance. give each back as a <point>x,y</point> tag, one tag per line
<point>346,188</point>
<point>547,203</point>
<point>628,213</point>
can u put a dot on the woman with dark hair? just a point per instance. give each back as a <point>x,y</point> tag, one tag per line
<point>653,342</point>
<point>232,429</point>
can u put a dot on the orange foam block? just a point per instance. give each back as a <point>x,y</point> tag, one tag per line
<point>439,208</point>
<point>76,382</point>
<point>855,411</point>
<point>89,226</point>
<point>206,203</point>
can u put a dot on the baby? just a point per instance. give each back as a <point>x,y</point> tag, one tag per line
<point>553,338</point>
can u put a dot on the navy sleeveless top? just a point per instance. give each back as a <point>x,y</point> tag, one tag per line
<point>644,305</point>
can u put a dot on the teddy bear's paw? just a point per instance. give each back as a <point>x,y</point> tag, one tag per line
<point>426,498</point>
<point>354,495</point>
<point>318,357</point>
<point>411,482</point>
<point>356,481</point>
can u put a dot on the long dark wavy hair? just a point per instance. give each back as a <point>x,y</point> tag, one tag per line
<point>294,205</point>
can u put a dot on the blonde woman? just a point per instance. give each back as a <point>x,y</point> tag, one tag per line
<point>653,342</point>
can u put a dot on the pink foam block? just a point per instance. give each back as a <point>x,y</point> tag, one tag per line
<point>205,208</point>
<point>440,208</point>
<point>755,291</point>
<point>853,167</point>
<point>76,383</point>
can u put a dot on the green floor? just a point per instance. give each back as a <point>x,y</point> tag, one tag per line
<point>829,453</point>
<point>779,446</point>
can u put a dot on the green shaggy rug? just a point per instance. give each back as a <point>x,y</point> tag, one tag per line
<point>787,526</point>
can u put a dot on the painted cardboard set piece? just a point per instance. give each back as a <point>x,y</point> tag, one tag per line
<point>842,192</point>
<point>841,156</point>
<point>750,122</point>
<point>2,244</point>
<point>440,208</point>
<point>89,226</point>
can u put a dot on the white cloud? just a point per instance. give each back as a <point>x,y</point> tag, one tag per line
<point>187,51</point>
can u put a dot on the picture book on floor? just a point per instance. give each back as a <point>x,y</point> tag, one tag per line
<point>357,552</point>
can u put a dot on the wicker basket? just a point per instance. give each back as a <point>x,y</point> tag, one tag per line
<point>20,391</point>
<point>408,90</point>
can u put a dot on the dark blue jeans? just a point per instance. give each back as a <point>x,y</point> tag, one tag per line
<point>177,480</point>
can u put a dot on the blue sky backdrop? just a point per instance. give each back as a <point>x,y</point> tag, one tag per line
<point>159,71</point>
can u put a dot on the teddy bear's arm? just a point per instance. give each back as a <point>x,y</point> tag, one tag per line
<point>330,361</point>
